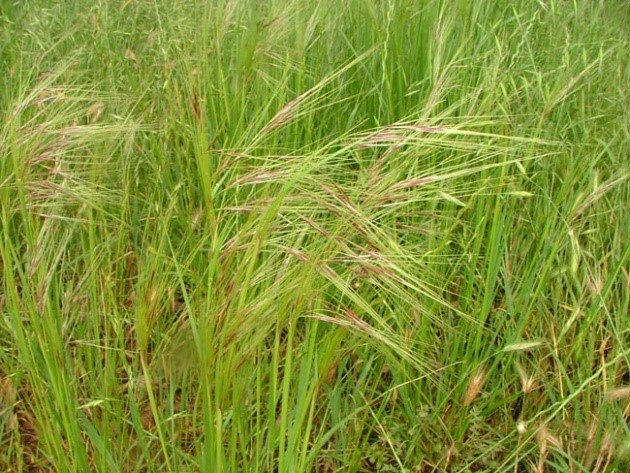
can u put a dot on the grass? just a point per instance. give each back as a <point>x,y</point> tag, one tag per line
<point>291,236</point>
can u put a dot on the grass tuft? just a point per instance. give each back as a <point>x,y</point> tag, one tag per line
<point>314,236</point>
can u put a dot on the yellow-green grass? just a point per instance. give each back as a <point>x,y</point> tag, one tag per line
<point>332,236</point>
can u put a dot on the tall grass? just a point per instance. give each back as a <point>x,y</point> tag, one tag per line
<point>314,236</point>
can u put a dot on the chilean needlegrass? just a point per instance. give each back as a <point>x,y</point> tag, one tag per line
<point>314,236</point>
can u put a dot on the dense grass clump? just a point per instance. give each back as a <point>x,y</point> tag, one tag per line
<point>331,236</point>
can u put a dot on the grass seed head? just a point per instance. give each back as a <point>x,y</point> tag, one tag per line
<point>474,387</point>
